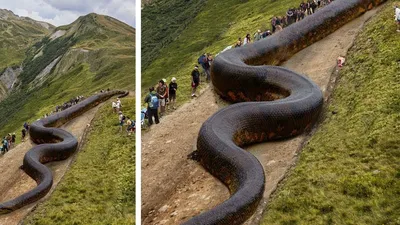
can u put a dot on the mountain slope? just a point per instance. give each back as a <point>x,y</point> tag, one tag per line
<point>216,26</point>
<point>95,52</point>
<point>17,34</point>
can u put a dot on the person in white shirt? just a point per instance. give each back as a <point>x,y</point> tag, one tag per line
<point>397,14</point>
<point>247,39</point>
<point>114,106</point>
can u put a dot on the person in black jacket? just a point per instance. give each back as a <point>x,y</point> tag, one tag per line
<point>173,86</point>
<point>195,80</point>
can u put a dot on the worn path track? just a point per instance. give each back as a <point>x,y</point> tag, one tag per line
<point>239,75</point>
<point>62,145</point>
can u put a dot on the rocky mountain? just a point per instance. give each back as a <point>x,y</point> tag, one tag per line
<point>94,52</point>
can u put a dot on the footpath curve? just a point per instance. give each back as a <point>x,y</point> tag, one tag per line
<point>179,189</point>
<point>15,185</point>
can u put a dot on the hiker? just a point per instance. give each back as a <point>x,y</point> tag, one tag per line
<point>121,119</point>
<point>162,92</point>
<point>173,86</point>
<point>13,138</point>
<point>397,14</point>
<point>202,61</point>
<point>238,43</point>
<point>26,126</point>
<point>247,39</point>
<point>130,126</point>
<point>273,24</point>
<point>313,6</point>
<point>290,16</point>
<point>5,145</point>
<point>278,24</point>
<point>258,36</point>
<point>114,106</point>
<point>152,106</point>
<point>195,80</point>
<point>119,105</point>
<point>23,132</point>
<point>166,92</point>
<point>208,67</point>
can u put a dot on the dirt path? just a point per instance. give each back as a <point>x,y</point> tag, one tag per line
<point>14,181</point>
<point>175,189</point>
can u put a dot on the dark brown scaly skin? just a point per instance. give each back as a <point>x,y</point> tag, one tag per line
<point>53,144</point>
<point>240,75</point>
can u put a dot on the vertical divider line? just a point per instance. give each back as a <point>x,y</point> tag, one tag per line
<point>138,91</point>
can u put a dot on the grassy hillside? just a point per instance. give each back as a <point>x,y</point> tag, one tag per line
<point>349,172</point>
<point>99,188</point>
<point>96,52</point>
<point>217,25</point>
<point>17,34</point>
<point>163,22</point>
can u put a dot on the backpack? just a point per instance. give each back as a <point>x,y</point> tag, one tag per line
<point>200,60</point>
<point>153,104</point>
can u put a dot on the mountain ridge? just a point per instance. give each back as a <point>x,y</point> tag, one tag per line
<point>92,53</point>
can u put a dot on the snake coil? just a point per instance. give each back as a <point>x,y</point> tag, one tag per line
<point>53,144</point>
<point>240,75</point>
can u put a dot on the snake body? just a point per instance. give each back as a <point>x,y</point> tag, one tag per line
<point>241,75</point>
<point>53,144</point>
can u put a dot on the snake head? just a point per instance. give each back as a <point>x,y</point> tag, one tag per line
<point>4,210</point>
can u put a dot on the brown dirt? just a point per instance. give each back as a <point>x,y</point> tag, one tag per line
<point>175,189</point>
<point>14,181</point>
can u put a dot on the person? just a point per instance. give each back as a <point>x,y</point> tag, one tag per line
<point>26,126</point>
<point>121,118</point>
<point>290,16</point>
<point>119,105</point>
<point>23,132</point>
<point>208,67</point>
<point>130,126</point>
<point>13,138</point>
<point>313,6</point>
<point>162,92</point>
<point>258,35</point>
<point>114,106</point>
<point>247,39</point>
<point>397,14</point>
<point>273,24</point>
<point>238,43</point>
<point>166,92</point>
<point>5,145</point>
<point>195,80</point>
<point>202,61</point>
<point>152,106</point>
<point>173,86</point>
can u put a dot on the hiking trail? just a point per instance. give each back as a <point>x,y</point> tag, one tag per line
<point>14,181</point>
<point>174,189</point>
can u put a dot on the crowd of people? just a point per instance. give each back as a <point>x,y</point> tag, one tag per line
<point>122,119</point>
<point>159,99</point>
<point>7,143</point>
<point>293,15</point>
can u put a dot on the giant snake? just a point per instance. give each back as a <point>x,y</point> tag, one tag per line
<point>53,144</point>
<point>241,75</point>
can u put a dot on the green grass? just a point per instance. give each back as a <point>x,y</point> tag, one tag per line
<point>99,188</point>
<point>349,172</point>
<point>16,36</point>
<point>162,30</point>
<point>216,26</point>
